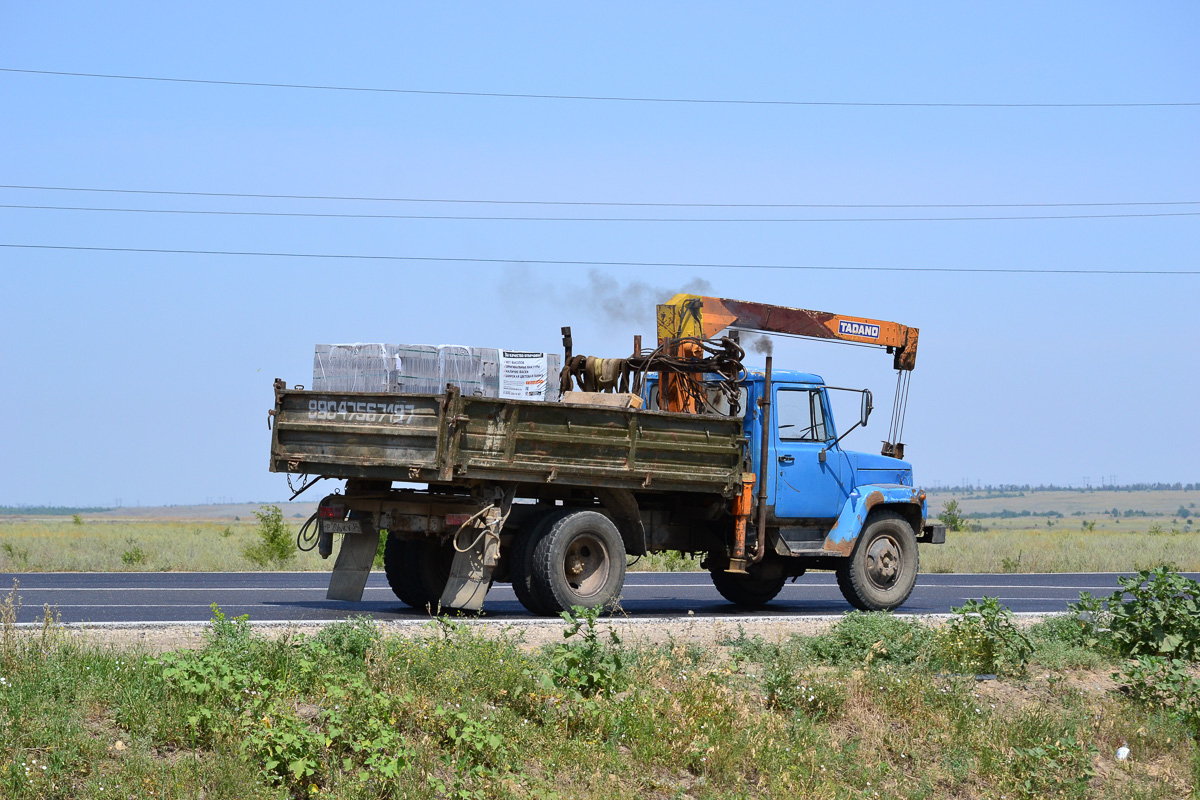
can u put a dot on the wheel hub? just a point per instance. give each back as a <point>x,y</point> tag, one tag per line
<point>586,565</point>
<point>883,561</point>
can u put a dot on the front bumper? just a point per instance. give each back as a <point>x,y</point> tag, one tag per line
<point>933,534</point>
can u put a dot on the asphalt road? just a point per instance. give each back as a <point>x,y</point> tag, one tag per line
<point>300,596</point>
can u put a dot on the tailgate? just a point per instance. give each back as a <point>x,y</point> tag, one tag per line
<point>320,432</point>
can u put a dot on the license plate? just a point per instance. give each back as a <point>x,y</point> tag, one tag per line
<point>349,526</point>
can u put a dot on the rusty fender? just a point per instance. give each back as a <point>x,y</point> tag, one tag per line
<point>849,525</point>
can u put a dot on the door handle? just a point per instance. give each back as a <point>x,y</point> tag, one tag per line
<point>787,460</point>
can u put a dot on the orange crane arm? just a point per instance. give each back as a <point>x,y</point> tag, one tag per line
<point>693,315</point>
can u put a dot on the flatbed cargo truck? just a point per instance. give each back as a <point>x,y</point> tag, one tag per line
<point>554,497</point>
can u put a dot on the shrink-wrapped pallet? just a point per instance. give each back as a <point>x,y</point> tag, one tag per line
<point>355,368</point>
<point>426,369</point>
<point>420,369</point>
<point>489,370</point>
<point>459,366</point>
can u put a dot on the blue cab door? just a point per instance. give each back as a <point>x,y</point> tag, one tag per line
<point>805,486</point>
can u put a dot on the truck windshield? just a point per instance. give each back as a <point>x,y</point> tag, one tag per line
<point>801,415</point>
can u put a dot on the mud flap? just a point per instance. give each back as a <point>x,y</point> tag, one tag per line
<point>353,566</point>
<point>471,572</point>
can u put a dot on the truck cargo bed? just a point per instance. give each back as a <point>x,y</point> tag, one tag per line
<point>453,438</point>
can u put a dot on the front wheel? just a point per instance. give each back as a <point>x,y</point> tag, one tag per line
<point>881,572</point>
<point>578,561</point>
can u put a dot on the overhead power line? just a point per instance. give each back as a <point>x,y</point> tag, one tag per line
<point>481,218</point>
<point>601,203</point>
<point>604,98</point>
<point>594,263</point>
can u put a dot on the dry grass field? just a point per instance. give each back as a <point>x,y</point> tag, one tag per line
<point>134,545</point>
<point>1061,551</point>
<point>1067,531</point>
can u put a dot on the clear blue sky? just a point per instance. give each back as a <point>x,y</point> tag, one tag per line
<point>147,377</point>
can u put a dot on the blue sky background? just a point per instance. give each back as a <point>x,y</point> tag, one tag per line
<point>148,377</point>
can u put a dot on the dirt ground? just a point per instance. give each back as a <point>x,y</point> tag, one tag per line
<point>533,633</point>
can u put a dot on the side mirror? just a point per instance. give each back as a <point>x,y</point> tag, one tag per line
<point>866,409</point>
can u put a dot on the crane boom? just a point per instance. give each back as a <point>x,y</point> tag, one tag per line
<point>694,315</point>
<point>688,318</point>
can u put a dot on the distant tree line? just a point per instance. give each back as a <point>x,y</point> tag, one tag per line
<point>1011,489</point>
<point>1010,514</point>
<point>48,511</point>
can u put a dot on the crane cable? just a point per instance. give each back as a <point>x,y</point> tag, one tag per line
<point>899,406</point>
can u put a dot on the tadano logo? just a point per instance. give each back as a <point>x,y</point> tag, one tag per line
<point>858,329</point>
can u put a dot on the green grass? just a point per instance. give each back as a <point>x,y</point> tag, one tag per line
<point>350,713</point>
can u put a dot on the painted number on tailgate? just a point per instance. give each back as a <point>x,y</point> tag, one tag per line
<point>382,413</point>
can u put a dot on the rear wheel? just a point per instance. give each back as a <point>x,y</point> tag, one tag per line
<point>397,577</point>
<point>749,590</point>
<point>579,560</point>
<point>881,572</point>
<point>417,570</point>
<point>521,560</point>
<point>429,569</point>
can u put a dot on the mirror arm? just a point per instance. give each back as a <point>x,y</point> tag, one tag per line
<point>866,393</point>
<point>843,436</point>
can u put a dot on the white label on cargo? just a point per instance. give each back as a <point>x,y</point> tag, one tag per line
<point>523,375</point>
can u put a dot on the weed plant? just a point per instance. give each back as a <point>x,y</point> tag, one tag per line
<point>873,638</point>
<point>1153,621</point>
<point>276,545</point>
<point>982,637</point>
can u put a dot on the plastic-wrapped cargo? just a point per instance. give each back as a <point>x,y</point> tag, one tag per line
<point>489,370</point>
<point>459,366</point>
<point>419,368</point>
<point>426,369</point>
<point>554,367</point>
<point>355,368</point>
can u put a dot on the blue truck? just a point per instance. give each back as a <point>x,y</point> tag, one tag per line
<point>554,497</point>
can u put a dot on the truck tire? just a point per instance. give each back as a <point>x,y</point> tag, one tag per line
<point>429,566</point>
<point>579,560</point>
<point>746,590</point>
<point>397,577</point>
<point>880,573</point>
<point>417,570</point>
<point>521,564</point>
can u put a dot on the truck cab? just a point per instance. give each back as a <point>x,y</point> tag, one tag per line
<point>822,499</point>
<point>810,476</point>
